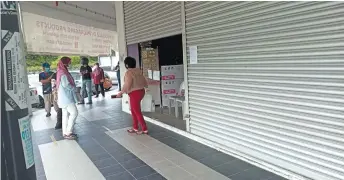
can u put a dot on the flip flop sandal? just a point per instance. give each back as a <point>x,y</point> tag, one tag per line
<point>70,137</point>
<point>142,132</point>
<point>132,131</point>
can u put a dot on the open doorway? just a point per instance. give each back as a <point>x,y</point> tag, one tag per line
<point>161,61</point>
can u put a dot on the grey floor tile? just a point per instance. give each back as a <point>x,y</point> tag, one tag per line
<point>232,168</point>
<point>183,141</point>
<point>160,136</point>
<point>142,172</point>
<point>38,164</point>
<point>176,173</point>
<point>93,150</point>
<point>197,155</point>
<point>112,146</point>
<point>118,151</point>
<point>41,178</point>
<point>105,162</point>
<point>153,177</point>
<point>203,148</point>
<point>252,174</point>
<point>185,149</point>
<point>40,172</point>
<point>100,156</point>
<point>216,159</point>
<point>276,177</point>
<point>112,170</point>
<point>121,176</point>
<point>170,141</point>
<point>132,164</point>
<point>124,157</point>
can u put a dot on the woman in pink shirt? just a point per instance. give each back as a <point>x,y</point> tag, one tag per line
<point>134,85</point>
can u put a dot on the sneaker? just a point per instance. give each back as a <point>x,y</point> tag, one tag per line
<point>48,115</point>
<point>96,96</point>
<point>81,102</point>
<point>89,103</point>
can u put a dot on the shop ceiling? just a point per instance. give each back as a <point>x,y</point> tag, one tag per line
<point>88,13</point>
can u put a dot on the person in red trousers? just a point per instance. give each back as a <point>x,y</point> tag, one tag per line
<point>134,85</point>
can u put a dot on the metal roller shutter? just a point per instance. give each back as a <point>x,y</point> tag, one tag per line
<point>146,20</point>
<point>269,82</point>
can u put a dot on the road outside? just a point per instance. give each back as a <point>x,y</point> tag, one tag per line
<point>34,83</point>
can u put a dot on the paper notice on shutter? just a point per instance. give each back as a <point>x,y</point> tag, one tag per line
<point>193,54</point>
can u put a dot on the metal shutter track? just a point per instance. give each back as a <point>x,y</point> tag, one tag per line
<point>269,82</point>
<point>146,21</point>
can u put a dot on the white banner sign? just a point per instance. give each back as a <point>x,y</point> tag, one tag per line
<point>52,36</point>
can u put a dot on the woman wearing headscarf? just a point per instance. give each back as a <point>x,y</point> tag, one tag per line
<point>67,98</point>
<point>98,79</point>
<point>134,85</point>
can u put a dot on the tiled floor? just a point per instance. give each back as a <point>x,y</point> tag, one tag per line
<point>162,115</point>
<point>118,155</point>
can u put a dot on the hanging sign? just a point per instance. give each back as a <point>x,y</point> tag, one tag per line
<point>26,138</point>
<point>46,35</point>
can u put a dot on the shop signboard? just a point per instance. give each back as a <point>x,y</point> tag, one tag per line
<point>53,36</point>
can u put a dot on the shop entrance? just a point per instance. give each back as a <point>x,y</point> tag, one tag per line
<point>161,62</point>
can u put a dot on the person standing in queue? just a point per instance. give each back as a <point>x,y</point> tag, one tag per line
<point>118,74</point>
<point>56,106</point>
<point>98,79</point>
<point>66,98</point>
<point>86,74</point>
<point>45,78</point>
<point>134,85</point>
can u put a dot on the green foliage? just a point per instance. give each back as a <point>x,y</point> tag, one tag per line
<point>34,62</point>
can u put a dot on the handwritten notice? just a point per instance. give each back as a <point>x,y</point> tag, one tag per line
<point>193,54</point>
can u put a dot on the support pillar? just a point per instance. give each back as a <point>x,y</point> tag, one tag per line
<point>17,158</point>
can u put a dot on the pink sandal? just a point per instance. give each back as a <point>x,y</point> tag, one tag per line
<point>142,132</point>
<point>132,131</point>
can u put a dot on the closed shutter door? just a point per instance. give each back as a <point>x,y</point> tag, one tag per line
<point>269,82</point>
<point>145,21</point>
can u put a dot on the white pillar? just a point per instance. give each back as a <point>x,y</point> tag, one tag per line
<point>122,48</point>
<point>185,63</point>
<point>20,16</point>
